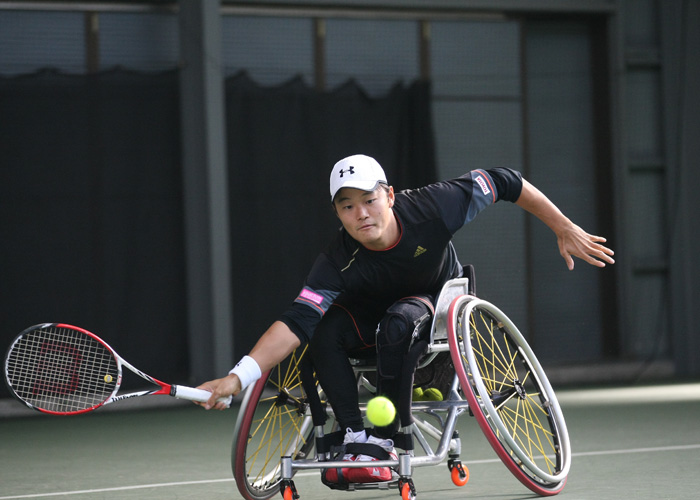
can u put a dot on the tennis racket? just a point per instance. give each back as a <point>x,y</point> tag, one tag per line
<point>65,370</point>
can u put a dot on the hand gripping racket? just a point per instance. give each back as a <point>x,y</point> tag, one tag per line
<point>65,370</point>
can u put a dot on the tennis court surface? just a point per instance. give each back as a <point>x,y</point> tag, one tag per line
<point>634,443</point>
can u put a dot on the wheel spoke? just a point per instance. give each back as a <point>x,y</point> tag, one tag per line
<point>491,357</point>
<point>528,433</point>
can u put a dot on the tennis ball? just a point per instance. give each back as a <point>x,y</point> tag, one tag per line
<point>432,394</point>
<point>108,378</point>
<point>380,411</point>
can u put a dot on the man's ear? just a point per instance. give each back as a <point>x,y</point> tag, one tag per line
<point>390,195</point>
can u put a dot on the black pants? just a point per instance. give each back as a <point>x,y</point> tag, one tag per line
<point>343,333</point>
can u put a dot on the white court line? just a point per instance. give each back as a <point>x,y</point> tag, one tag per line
<point>311,473</point>
<point>118,488</point>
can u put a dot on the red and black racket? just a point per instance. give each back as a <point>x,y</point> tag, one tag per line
<point>65,370</point>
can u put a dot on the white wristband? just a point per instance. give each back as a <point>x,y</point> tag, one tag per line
<point>247,370</point>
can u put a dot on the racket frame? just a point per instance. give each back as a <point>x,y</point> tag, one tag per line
<point>176,391</point>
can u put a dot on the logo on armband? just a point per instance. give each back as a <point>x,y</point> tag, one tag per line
<point>483,185</point>
<point>313,297</point>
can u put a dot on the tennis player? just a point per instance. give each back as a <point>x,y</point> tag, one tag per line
<point>376,283</point>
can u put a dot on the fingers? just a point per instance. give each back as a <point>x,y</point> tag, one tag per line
<point>569,262</point>
<point>207,386</point>
<point>605,256</point>
<point>220,388</point>
<point>595,258</point>
<point>600,254</point>
<point>595,262</point>
<point>213,387</point>
<point>586,247</point>
<point>211,401</point>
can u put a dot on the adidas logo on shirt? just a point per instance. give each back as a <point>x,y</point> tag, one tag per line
<point>419,251</point>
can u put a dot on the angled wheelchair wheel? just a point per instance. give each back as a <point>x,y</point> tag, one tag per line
<point>274,420</point>
<point>509,394</point>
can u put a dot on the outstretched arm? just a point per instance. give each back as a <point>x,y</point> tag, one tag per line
<point>272,348</point>
<point>572,240</point>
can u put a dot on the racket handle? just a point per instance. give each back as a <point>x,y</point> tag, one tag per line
<point>192,394</point>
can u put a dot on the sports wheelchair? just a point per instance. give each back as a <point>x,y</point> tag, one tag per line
<point>284,424</point>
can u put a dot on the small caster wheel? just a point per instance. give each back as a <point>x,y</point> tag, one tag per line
<point>458,472</point>
<point>408,491</point>
<point>288,490</point>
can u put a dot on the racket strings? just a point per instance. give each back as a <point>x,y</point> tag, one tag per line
<point>61,370</point>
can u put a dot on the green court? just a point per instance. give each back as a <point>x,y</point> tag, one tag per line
<point>636,443</point>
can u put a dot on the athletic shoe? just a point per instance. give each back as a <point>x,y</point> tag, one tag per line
<point>363,474</point>
<point>353,437</point>
<point>374,474</point>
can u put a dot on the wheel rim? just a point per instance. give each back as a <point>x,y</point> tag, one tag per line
<point>274,421</point>
<point>511,396</point>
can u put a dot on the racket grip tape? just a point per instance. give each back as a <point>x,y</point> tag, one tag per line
<point>192,394</point>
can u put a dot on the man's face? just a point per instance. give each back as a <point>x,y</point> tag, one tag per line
<point>367,216</point>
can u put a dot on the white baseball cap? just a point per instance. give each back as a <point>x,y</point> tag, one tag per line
<point>356,171</point>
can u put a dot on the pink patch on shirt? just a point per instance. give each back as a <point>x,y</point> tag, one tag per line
<point>313,297</point>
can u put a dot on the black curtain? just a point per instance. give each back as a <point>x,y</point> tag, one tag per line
<point>91,212</point>
<point>282,143</point>
<point>91,217</point>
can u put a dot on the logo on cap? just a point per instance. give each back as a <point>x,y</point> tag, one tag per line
<point>358,172</point>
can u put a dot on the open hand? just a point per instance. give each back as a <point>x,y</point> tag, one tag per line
<point>575,242</point>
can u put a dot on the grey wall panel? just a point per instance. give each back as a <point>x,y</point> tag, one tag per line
<point>566,315</point>
<point>376,53</point>
<point>473,135</point>
<point>271,49</point>
<point>475,59</point>
<point>143,41</point>
<point>32,40</point>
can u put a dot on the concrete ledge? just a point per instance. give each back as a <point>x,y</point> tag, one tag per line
<point>614,373</point>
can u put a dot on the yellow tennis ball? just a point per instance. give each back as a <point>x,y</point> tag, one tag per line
<point>108,378</point>
<point>432,394</point>
<point>380,411</point>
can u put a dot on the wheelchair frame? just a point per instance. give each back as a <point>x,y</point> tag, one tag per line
<point>497,379</point>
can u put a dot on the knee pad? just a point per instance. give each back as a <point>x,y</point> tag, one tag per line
<point>404,322</point>
<point>394,329</point>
